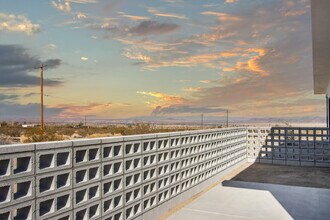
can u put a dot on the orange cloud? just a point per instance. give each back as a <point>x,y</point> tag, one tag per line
<point>201,59</point>
<point>162,99</point>
<point>205,81</point>
<point>82,110</point>
<point>62,6</point>
<point>135,17</point>
<point>252,65</point>
<point>192,89</point>
<point>231,1</point>
<point>163,14</point>
<point>137,56</point>
<point>223,17</point>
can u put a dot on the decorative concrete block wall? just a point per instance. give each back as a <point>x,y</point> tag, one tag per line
<point>289,146</point>
<point>119,178</point>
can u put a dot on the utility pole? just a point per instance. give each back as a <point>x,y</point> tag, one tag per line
<point>41,97</point>
<point>85,121</point>
<point>202,121</point>
<point>227,118</point>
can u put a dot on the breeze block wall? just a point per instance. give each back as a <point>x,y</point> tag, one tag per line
<point>117,178</point>
<point>289,146</point>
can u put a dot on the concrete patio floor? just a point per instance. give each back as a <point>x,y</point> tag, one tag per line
<point>242,199</point>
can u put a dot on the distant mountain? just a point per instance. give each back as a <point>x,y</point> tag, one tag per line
<point>179,120</point>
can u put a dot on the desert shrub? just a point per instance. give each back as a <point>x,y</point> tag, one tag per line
<point>37,135</point>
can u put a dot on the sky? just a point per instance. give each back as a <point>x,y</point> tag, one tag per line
<point>166,58</point>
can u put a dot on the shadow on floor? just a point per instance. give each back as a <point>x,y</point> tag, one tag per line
<point>317,177</point>
<point>300,202</point>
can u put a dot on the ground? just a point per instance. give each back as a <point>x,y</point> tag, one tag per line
<point>261,191</point>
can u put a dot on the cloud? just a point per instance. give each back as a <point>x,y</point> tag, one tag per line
<point>84,1</point>
<point>231,1</point>
<point>100,109</point>
<point>252,64</point>
<point>261,54</point>
<point>133,17</point>
<point>186,109</point>
<point>295,8</point>
<point>17,23</point>
<point>124,30</point>
<point>155,12</point>
<point>153,28</point>
<point>192,89</point>
<point>26,111</point>
<point>81,15</point>
<point>269,71</point>
<point>31,94</point>
<point>7,97</point>
<point>223,17</point>
<point>247,59</point>
<point>16,64</point>
<point>84,58</point>
<point>51,46</point>
<point>162,98</point>
<point>137,56</point>
<point>65,7</point>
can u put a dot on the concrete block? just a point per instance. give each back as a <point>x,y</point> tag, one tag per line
<point>16,148</point>
<point>64,216</point>
<point>149,146</point>
<point>137,137</point>
<point>132,164</point>
<point>150,188</point>
<point>53,160</point>
<point>50,206</point>
<point>17,191</point>
<point>24,210</point>
<point>113,204</point>
<point>132,179</point>
<point>134,211</point>
<point>112,140</point>
<point>16,165</point>
<point>111,169</point>
<point>52,183</point>
<point>86,142</point>
<point>86,194</point>
<point>91,211</point>
<point>112,151</point>
<point>87,155</point>
<point>133,195</point>
<point>149,160</point>
<point>87,175</point>
<point>132,148</point>
<point>53,145</point>
<point>149,174</point>
<point>112,186</point>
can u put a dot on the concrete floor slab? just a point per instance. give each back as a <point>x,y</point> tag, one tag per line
<point>234,200</point>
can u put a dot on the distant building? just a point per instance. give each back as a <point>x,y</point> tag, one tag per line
<point>321,48</point>
<point>30,125</point>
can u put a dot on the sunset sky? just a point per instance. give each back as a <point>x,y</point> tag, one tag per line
<point>126,58</point>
